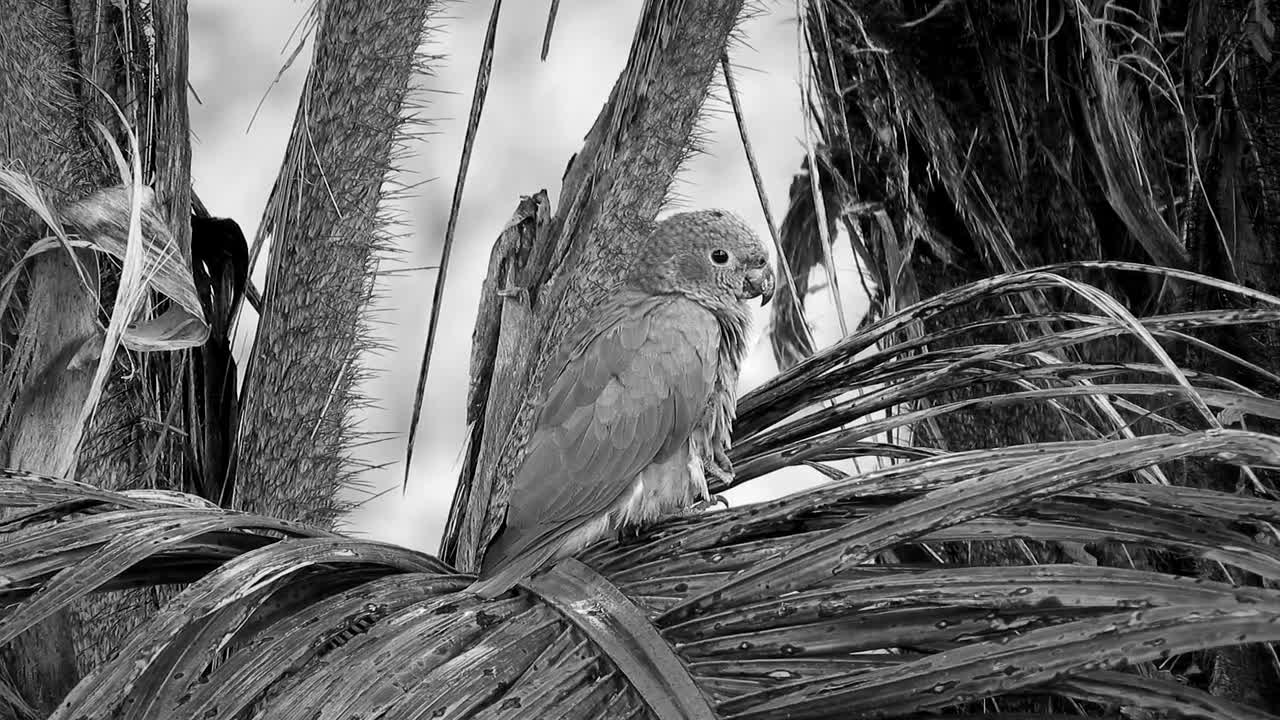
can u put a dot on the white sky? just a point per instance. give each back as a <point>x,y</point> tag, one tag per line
<point>535,117</point>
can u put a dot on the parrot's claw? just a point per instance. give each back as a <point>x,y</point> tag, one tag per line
<point>723,463</point>
<point>721,469</point>
<point>704,505</point>
<point>514,292</point>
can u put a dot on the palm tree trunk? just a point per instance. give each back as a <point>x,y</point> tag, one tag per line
<point>325,230</point>
<point>1014,136</point>
<point>562,266</point>
<point>56,59</point>
<point>41,398</point>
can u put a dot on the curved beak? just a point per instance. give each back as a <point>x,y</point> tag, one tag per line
<point>758,283</point>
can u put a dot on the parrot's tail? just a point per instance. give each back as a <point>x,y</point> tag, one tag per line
<point>508,561</point>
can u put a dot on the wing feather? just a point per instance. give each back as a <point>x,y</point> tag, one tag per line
<point>632,384</point>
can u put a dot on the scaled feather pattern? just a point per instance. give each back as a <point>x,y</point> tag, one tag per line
<point>639,402</point>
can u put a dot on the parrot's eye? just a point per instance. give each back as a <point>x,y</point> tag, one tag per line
<point>719,257</point>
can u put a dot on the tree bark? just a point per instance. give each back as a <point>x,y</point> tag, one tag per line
<point>55,61</point>
<point>325,231</point>
<point>42,397</point>
<point>1024,135</point>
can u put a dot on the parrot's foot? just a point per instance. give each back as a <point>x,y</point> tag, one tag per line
<point>515,292</point>
<point>705,505</point>
<point>721,470</point>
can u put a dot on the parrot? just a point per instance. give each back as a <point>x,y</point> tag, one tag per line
<point>639,398</point>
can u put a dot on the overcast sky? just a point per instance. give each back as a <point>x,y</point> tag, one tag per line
<point>535,117</point>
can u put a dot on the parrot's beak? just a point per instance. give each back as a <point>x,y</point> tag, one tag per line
<point>759,282</point>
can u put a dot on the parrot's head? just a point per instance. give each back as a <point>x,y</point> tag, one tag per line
<point>710,256</point>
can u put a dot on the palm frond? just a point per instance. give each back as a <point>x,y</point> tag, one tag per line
<point>478,96</point>
<point>284,620</point>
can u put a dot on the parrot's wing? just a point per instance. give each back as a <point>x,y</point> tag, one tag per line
<point>635,380</point>
<point>630,397</point>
